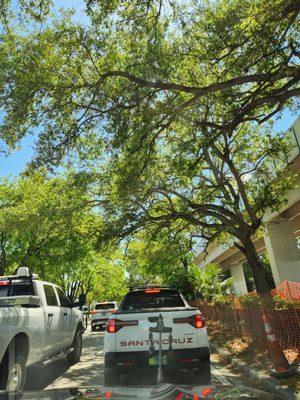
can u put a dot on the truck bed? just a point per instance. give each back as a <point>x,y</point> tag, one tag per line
<point>24,301</point>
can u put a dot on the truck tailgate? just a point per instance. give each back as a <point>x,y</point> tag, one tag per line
<point>135,335</point>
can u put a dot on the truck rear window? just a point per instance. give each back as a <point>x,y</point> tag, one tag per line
<point>16,288</point>
<point>106,306</point>
<point>143,300</point>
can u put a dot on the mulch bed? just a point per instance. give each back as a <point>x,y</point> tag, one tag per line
<point>245,349</point>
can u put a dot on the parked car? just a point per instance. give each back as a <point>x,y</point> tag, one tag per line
<point>101,313</point>
<point>38,324</point>
<point>131,344</point>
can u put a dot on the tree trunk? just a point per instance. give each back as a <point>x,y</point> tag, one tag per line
<point>2,269</point>
<point>256,265</point>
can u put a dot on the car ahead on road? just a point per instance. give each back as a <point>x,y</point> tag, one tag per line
<point>101,313</point>
<point>38,324</point>
<point>131,341</point>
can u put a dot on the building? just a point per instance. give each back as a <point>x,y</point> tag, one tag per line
<point>281,239</point>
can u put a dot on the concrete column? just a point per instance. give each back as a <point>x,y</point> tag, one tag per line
<point>237,273</point>
<point>283,252</point>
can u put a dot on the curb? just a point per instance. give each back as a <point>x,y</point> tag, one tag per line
<point>266,382</point>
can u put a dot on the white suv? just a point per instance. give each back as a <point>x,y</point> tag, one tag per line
<point>101,312</point>
<point>131,339</point>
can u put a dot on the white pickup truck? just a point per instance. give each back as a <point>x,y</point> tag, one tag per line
<point>133,338</point>
<point>37,325</point>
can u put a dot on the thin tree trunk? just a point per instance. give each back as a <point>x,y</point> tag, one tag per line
<point>256,265</point>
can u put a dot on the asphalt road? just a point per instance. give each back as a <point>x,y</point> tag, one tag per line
<point>89,371</point>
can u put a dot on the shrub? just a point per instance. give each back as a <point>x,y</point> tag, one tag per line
<point>255,301</point>
<point>285,304</point>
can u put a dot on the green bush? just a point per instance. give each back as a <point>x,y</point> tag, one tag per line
<point>250,301</point>
<point>221,300</point>
<point>284,304</point>
<point>255,301</point>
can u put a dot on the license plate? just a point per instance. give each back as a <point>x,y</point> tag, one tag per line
<point>154,360</point>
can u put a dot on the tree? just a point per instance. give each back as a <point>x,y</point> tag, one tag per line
<point>191,81</point>
<point>162,65</point>
<point>218,195</point>
<point>102,277</point>
<point>45,224</point>
<point>164,258</point>
<point>209,284</point>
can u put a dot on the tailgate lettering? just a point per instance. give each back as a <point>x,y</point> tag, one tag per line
<point>137,343</point>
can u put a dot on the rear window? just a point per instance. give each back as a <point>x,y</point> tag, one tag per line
<point>143,300</point>
<point>16,288</point>
<point>106,306</point>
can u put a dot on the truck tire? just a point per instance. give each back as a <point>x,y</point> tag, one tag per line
<point>12,377</point>
<point>202,375</point>
<point>112,376</point>
<point>74,357</point>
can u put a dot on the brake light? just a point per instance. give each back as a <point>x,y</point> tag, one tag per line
<point>114,325</point>
<point>94,312</point>
<point>150,291</point>
<point>4,283</point>
<point>197,321</point>
<point>111,326</point>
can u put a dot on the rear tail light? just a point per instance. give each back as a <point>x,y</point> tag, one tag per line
<point>197,321</point>
<point>114,325</point>
<point>94,312</point>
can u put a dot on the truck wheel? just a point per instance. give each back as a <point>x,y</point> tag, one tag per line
<point>202,375</point>
<point>12,377</point>
<point>112,376</point>
<point>74,357</point>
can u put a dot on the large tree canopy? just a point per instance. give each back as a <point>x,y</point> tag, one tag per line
<point>45,224</point>
<point>48,225</point>
<point>140,70</point>
<point>220,195</point>
<point>167,98</point>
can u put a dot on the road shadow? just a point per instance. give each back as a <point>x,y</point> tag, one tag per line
<point>88,372</point>
<point>38,378</point>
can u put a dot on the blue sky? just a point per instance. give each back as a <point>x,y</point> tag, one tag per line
<point>15,163</point>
